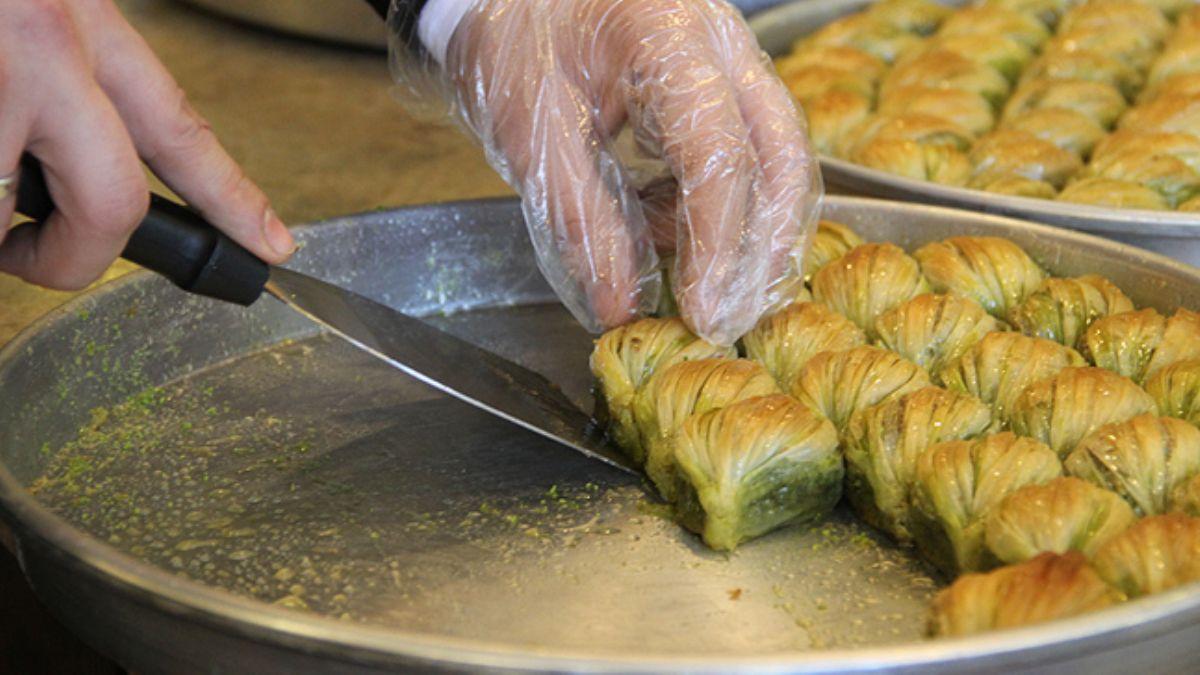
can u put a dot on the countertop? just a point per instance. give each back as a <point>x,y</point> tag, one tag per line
<point>317,126</point>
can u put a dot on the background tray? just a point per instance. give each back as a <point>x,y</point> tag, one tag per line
<point>1170,233</point>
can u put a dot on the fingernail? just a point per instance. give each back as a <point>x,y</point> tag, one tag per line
<point>277,235</point>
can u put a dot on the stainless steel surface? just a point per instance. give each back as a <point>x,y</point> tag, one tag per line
<point>348,21</point>
<point>1171,233</point>
<point>447,363</point>
<point>279,468</point>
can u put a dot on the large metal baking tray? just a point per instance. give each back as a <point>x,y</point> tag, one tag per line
<point>1171,233</point>
<point>284,458</point>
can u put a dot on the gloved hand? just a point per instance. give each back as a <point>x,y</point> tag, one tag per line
<point>82,91</point>
<point>545,85</point>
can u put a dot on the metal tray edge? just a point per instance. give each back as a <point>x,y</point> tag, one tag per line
<point>802,16</point>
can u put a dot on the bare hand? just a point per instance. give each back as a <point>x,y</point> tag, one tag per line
<point>81,91</point>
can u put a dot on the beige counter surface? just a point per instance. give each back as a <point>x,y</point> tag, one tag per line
<point>317,126</point>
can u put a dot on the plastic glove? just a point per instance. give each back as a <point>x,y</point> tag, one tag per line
<point>546,85</point>
<point>82,91</point>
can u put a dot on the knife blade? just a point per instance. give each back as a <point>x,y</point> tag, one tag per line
<point>178,243</point>
<point>446,362</point>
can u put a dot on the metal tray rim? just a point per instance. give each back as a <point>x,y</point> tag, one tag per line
<point>1172,224</point>
<point>1154,223</point>
<point>1108,629</point>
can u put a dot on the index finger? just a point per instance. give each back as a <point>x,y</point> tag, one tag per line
<point>584,221</point>
<point>686,101</point>
<point>176,142</point>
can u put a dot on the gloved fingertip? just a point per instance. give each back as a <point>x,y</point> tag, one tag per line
<point>709,319</point>
<point>614,306</point>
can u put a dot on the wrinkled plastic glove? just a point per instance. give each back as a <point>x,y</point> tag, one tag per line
<point>546,86</point>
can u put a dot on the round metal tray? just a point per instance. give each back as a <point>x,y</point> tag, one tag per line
<point>1171,233</point>
<point>275,467</point>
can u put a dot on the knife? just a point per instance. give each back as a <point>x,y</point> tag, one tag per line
<point>176,242</point>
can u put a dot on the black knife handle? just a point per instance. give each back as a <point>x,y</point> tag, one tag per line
<point>173,240</point>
